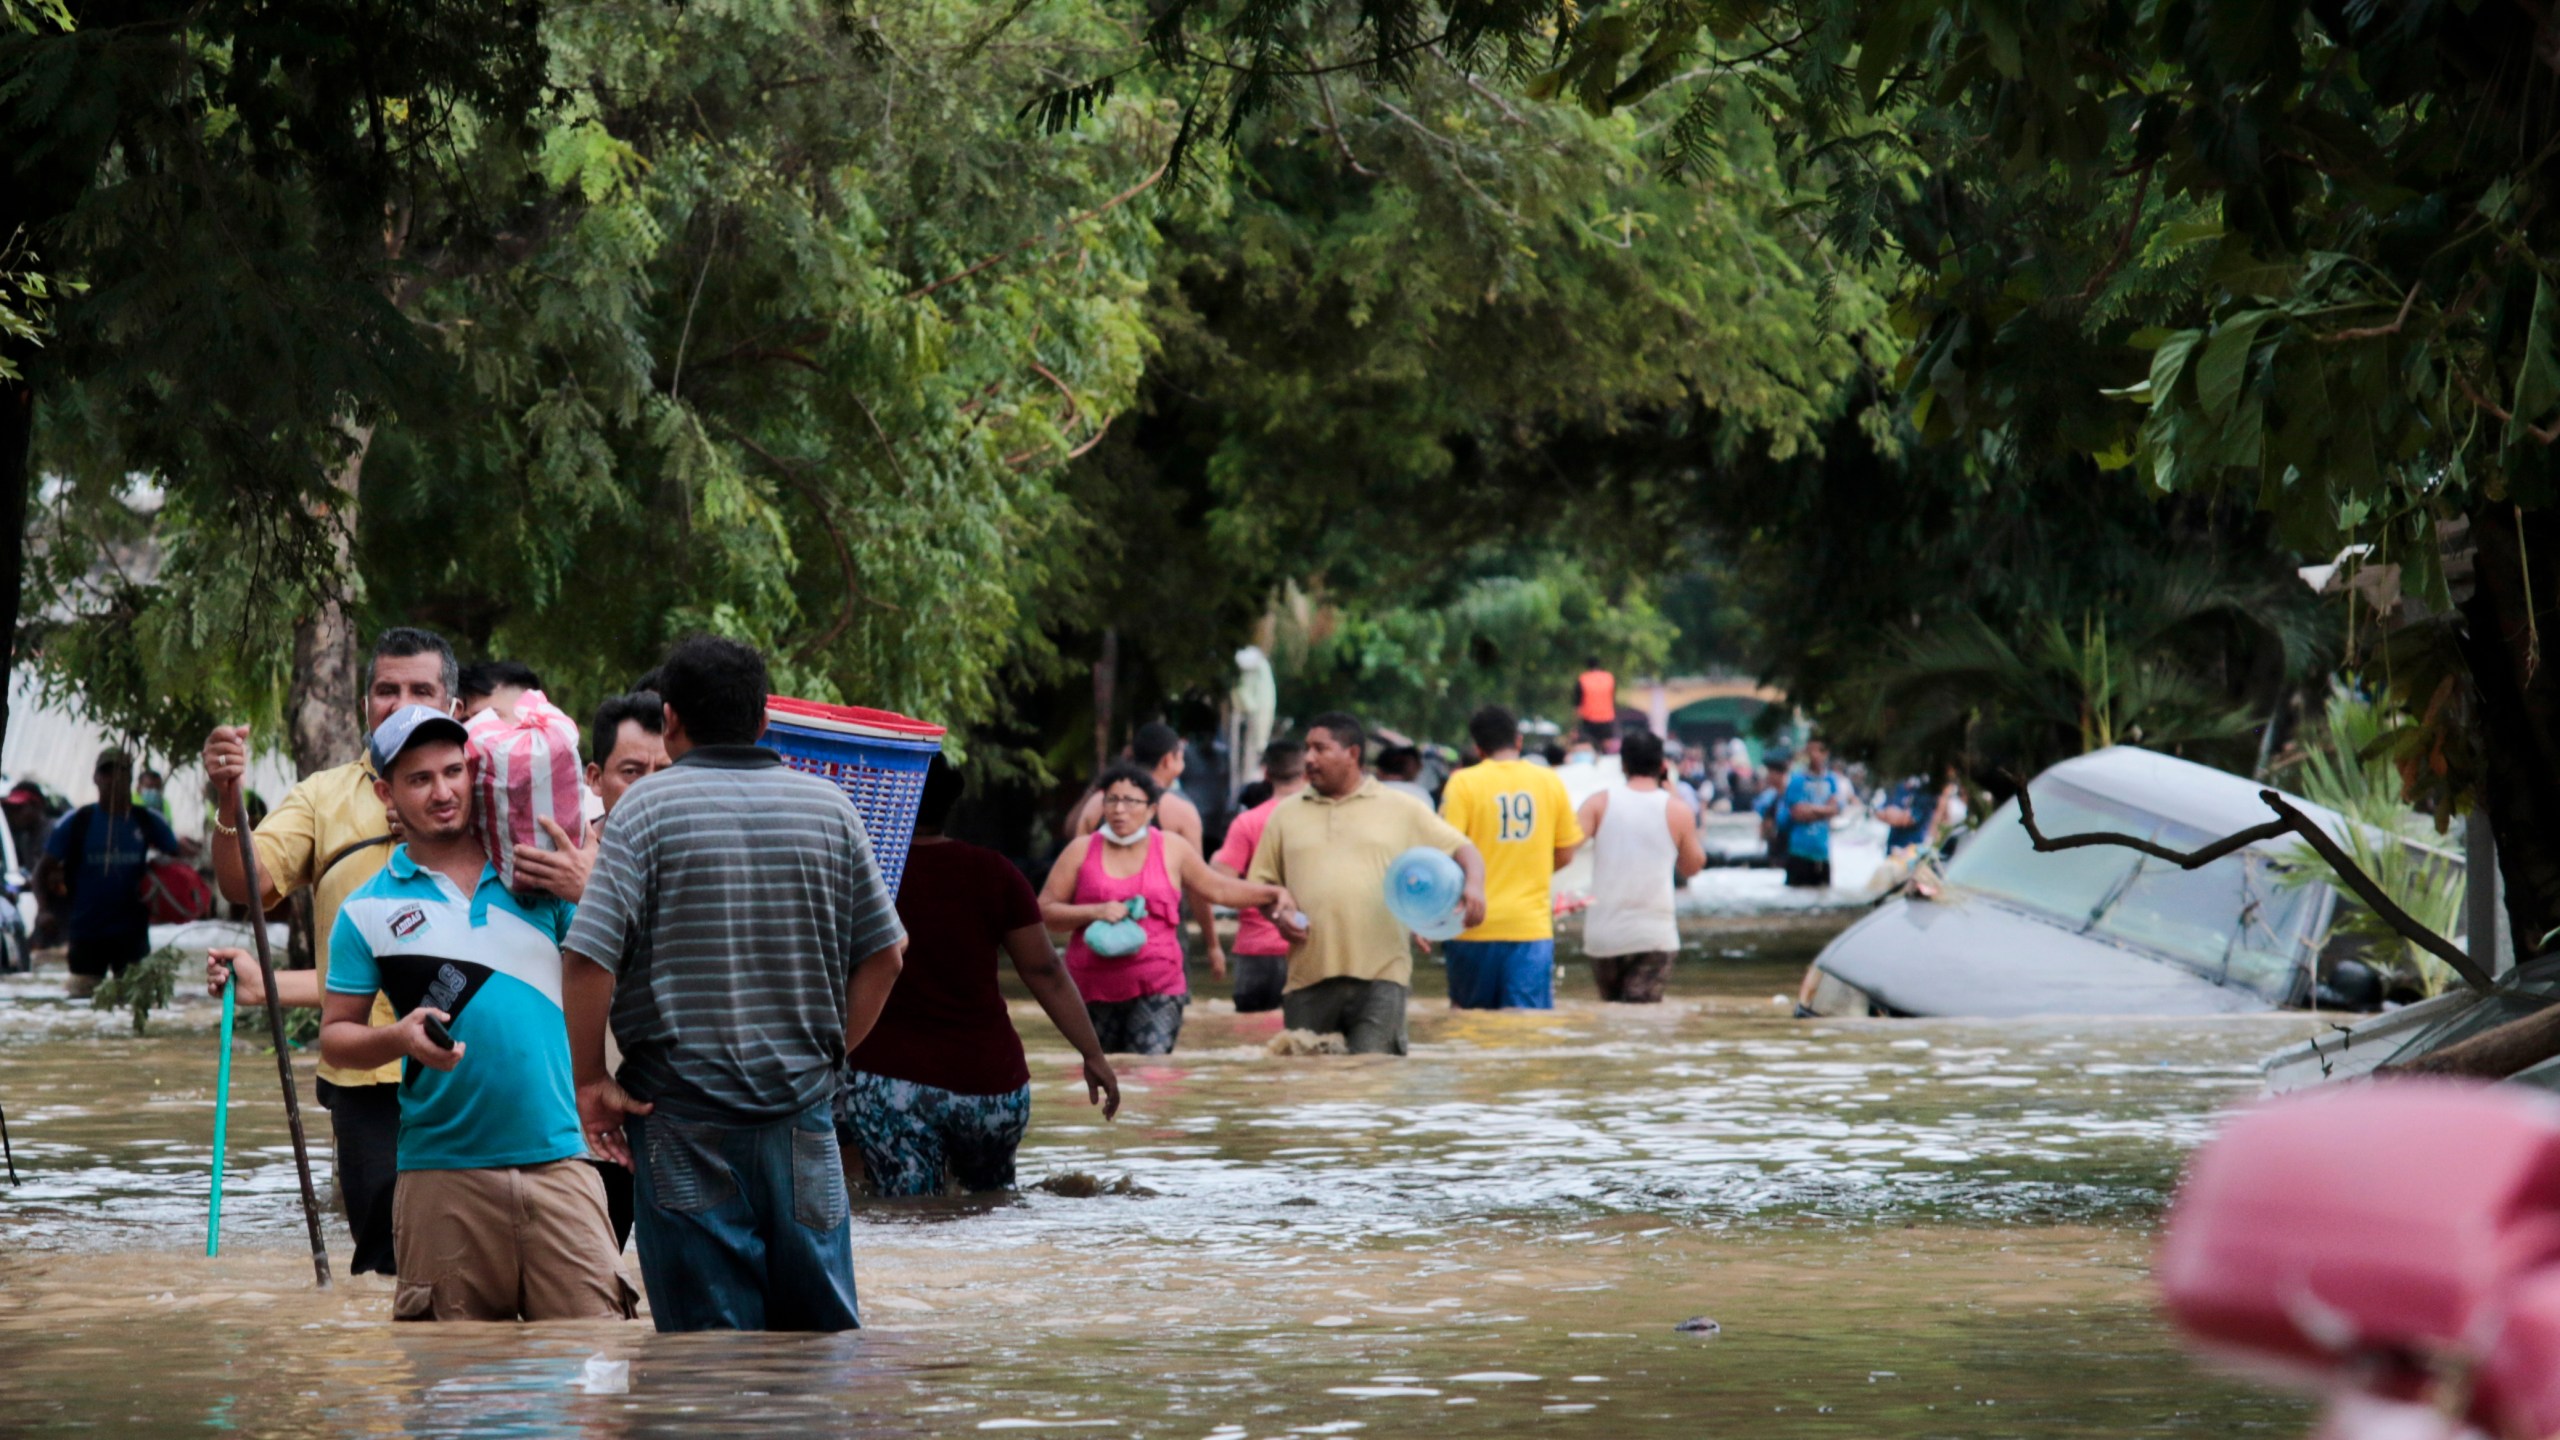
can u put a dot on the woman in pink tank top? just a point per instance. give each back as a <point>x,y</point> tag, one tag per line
<point>1131,869</point>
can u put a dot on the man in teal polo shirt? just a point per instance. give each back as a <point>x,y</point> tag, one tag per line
<point>496,1217</point>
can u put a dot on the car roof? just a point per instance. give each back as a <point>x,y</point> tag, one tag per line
<point>2215,801</point>
<point>2200,796</point>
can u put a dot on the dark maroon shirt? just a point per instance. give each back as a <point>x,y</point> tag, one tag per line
<point>946,1024</point>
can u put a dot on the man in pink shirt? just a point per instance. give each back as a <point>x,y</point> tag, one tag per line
<point>1261,955</point>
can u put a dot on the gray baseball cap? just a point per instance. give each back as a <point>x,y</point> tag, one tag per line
<point>406,727</point>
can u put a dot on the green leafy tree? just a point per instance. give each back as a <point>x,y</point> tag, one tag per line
<point>246,198</point>
<point>799,377</point>
<point>2290,252</point>
<point>1431,329</point>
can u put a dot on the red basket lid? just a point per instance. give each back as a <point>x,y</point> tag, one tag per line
<point>850,719</point>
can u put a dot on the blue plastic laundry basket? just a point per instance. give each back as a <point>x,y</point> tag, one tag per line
<point>878,759</point>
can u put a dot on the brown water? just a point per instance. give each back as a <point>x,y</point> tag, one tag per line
<point>1903,1228</point>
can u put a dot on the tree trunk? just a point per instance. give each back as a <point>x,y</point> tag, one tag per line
<point>17,476</point>
<point>324,707</point>
<point>2514,655</point>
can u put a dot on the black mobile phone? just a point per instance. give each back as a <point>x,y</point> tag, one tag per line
<point>436,1032</point>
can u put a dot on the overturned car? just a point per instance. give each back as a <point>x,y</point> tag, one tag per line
<point>2104,930</point>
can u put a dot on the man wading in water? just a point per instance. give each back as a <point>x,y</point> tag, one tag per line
<point>737,930</point>
<point>1520,818</point>
<point>1648,849</point>
<point>498,1215</point>
<point>331,833</point>
<point>1351,964</point>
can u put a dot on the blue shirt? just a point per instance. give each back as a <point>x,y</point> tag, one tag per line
<point>491,960</point>
<point>115,854</point>
<point>1811,839</point>
<point>1915,796</point>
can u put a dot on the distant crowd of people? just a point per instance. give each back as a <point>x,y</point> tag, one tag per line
<point>676,1026</point>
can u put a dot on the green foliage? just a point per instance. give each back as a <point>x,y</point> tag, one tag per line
<point>232,202</point>
<point>733,316</point>
<point>2386,839</point>
<point>26,302</point>
<point>2345,769</point>
<point>146,985</point>
<point>32,16</point>
<point>801,380</point>
<point>1426,332</point>
<point>1507,629</point>
<point>2138,672</point>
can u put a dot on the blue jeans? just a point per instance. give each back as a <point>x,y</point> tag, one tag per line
<point>743,1227</point>
<point>1502,974</point>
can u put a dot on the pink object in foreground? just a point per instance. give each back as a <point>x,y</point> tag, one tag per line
<point>2396,1241</point>
<point>524,769</point>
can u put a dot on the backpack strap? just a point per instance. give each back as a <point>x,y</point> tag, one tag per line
<point>342,853</point>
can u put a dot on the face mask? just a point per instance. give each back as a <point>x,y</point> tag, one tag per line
<point>1116,838</point>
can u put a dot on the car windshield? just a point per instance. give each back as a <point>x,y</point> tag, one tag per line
<point>2073,885</point>
<point>2230,921</point>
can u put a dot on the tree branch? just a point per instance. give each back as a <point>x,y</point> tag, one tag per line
<point>2376,332</point>
<point>2288,821</point>
<point>1333,127</point>
<point>2547,434</point>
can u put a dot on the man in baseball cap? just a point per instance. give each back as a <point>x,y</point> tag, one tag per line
<point>407,726</point>
<point>499,1218</point>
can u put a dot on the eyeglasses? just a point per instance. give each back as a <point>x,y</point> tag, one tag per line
<point>1126,802</point>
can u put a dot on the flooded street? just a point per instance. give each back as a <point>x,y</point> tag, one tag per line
<point>1901,1228</point>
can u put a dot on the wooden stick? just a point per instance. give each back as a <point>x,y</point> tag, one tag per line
<point>284,1054</point>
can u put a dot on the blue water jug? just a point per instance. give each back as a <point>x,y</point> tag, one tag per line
<point>1424,891</point>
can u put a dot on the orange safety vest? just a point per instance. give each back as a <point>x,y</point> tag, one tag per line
<point>1599,696</point>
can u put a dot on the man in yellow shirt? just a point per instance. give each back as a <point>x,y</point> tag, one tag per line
<point>1350,962</point>
<point>1519,815</point>
<point>332,834</point>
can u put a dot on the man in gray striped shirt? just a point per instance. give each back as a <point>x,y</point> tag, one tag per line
<point>738,932</point>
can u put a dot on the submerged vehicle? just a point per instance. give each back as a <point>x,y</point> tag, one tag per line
<point>2102,930</point>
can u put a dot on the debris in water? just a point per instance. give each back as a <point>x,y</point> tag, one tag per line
<point>1307,1042</point>
<point>605,1377</point>
<point>1083,1185</point>
<point>1699,1325</point>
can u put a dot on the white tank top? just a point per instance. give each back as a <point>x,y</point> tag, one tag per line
<point>1632,863</point>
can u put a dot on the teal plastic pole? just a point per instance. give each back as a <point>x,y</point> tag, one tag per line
<point>221,1120</point>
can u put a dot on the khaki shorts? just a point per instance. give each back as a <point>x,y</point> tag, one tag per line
<point>521,1242</point>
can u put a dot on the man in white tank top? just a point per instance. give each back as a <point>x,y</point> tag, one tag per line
<point>1643,847</point>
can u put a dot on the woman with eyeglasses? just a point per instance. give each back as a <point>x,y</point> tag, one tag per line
<point>1129,870</point>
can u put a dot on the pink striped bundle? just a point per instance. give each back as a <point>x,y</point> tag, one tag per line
<point>524,769</point>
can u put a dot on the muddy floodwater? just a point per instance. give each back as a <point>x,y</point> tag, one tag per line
<point>1899,1228</point>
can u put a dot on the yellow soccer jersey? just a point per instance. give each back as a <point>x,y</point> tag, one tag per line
<point>1518,815</point>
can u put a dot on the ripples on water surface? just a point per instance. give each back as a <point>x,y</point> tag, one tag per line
<point>1904,1228</point>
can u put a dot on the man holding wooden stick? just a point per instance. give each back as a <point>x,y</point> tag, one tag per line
<point>332,834</point>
